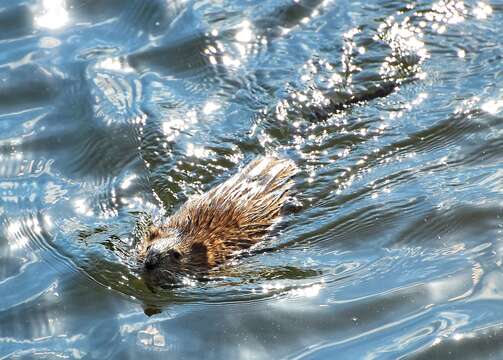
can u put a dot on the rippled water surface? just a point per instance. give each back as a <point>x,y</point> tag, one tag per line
<point>392,111</point>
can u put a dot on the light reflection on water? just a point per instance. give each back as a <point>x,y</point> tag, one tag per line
<point>52,14</point>
<point>392,111</point>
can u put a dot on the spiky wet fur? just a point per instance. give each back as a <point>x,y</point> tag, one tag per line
<point>210,228</point>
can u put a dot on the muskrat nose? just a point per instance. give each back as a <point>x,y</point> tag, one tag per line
<point>152,259</point>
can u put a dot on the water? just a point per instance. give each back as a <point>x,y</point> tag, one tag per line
<point>392,111</point>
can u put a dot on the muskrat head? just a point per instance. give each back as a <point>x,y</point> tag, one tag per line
<point>162,258</point>
<point>167,256</point>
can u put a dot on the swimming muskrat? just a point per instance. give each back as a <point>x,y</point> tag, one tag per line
<point>209,228</point>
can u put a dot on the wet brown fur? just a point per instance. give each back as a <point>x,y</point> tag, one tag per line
<point>210,228</point>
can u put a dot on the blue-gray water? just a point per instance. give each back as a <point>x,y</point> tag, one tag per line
<point>391,109</point>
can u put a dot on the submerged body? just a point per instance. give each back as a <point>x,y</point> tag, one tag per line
<point>208,229</point>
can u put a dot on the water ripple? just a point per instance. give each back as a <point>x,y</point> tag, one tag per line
<point>391,110</point>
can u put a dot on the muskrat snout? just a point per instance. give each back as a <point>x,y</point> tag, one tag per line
<point>152,259</point>
<point>160,265</point>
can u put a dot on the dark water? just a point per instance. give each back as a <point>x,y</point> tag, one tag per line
<point>392,111</point>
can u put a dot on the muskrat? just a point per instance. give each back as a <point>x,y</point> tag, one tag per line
<point>210,228</point>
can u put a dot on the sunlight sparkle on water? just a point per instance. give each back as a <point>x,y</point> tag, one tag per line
<point>244,38</point>
<point>172,128</point>
<point>446,12</point>
<point>210,107</point>
<point>310,291</point>
<point>48,221</point>
<point>53,14</point>
<point>244,35</point>
<point>34,225</point>
<point>458,336</point>
<point>82,208</point>
<point>482,11</point>
<point>115,64</point>
<point>127,181</point>
<point>492,107</point>
<point>18,240</point>
<point>197,151</point>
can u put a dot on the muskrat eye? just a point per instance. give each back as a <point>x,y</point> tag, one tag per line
<point>176,254</point>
